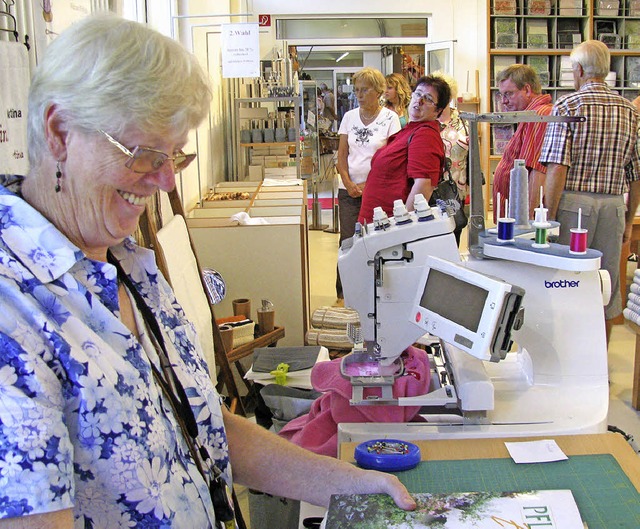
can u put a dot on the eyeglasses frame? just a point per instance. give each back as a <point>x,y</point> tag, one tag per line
<point>132,155</point>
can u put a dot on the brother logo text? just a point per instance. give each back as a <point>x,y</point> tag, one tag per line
<point>562,283</point>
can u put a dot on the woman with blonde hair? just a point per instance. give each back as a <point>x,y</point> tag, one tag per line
<point>398,96</point>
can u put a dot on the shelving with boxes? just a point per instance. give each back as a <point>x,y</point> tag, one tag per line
<point>277,137</point>
<point>542,33</point>
<point>268,137</point>
<point>273,139</point>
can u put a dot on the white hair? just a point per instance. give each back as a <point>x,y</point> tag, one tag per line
<point>105,72</point>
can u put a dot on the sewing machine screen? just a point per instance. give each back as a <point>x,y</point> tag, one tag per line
<point>465,308</point>
<point>453,299</point>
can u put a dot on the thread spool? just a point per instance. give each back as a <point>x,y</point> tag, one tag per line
<point>506,229</point>
<point>578,241</point>
<point>541,225</point>
<point>519,194</point>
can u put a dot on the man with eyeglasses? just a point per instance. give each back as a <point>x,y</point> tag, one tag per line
<point>520,89</point>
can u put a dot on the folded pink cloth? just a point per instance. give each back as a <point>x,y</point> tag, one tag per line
<point>318,430</point>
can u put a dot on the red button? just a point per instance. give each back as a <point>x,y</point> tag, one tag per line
<point>418,317</point>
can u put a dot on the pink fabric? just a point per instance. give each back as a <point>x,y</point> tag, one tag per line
<point>318,430</point>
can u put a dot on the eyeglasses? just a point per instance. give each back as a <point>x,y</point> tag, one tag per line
<point>147,160</point>
<point>424,98</point>
<point>507,95</point>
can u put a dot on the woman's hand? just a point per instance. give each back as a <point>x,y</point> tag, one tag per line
<point>373,482</point>
<point>355,190</point>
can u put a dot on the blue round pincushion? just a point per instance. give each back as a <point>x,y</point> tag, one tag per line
<point>387,455</point>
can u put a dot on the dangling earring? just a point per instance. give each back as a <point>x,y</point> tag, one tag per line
<point>58,177</point>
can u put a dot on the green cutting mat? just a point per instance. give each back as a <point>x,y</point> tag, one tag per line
<point>605,496</point>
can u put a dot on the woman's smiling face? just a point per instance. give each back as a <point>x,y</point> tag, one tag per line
<point>105,198</point>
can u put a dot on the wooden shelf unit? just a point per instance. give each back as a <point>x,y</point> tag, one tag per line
<point>544,35</point>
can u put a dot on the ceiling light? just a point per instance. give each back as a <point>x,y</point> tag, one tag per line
<point>342,56</point>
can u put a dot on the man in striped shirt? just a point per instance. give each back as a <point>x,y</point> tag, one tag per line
<point>520,89</point>
<point>590,165</point>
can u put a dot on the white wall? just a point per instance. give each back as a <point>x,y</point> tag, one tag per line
<point>196,23</point>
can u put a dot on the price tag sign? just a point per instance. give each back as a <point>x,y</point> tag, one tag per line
<point>240,50</point>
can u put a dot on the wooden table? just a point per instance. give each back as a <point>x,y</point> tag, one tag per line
<point>494,448</point>
<point>236,354</point>
<point>263,340</point>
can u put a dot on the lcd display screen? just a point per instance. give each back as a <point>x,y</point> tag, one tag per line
<point>454,299</point>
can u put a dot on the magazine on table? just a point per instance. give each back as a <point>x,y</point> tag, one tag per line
<point>549,509</point>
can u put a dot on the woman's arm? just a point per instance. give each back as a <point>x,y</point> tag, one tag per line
<point>343,167</point>
<point>52,520</point>
<point>420,185</point>
<point>262,460</point>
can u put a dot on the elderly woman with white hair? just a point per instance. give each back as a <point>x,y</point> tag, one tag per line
<point>108,417</point>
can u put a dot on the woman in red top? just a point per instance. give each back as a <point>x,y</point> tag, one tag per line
<point>413,159</point>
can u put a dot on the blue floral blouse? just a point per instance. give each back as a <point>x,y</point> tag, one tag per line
<point>83,424</point>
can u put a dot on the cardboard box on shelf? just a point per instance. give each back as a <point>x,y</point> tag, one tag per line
<point>609,8</point>
<point>570,8</point>
<point>504,7</point>
<point>507,40</point>
<point>539,7</point>
<point>501,62</point>
<point>280,172</point>
<point>612,40</point>
<point>255,173</point>
<point>537,36</point>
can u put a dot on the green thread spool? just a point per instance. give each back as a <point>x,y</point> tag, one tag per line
<point>541,236</point>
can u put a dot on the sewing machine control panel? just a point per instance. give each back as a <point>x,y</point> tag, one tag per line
<point>468,309</point>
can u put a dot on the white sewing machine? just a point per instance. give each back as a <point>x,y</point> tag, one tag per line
<point>532,319</point>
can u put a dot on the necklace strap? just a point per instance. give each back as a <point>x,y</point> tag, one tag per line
<point>371,117</point>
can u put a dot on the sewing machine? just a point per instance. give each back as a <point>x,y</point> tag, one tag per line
<point>547,372</point>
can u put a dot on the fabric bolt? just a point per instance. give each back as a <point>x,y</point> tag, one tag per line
<point>602,152</point>
<point>318,430</point>
<point>603,217</point>
<point>414,152</point>
<point>524,145</point>
<point>83,424</point>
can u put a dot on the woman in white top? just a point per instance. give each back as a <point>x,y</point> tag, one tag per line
<point>363,131</point>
